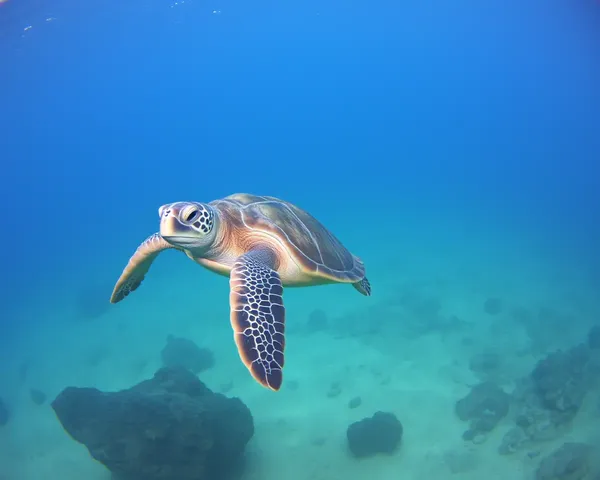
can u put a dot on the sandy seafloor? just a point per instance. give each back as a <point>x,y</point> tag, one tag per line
<point>300,431</point>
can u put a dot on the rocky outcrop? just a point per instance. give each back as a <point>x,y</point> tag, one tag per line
<point>171,427</point>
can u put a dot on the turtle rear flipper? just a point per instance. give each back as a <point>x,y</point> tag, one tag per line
<point>364,287</point>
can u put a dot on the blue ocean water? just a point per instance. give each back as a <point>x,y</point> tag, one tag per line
<point>453,146</point>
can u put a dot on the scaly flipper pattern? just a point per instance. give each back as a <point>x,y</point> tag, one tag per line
<point>258,316</point>
<point>138,266</point>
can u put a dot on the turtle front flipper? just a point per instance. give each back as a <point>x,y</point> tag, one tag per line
<point>258,316</point>
<point>138,266</point>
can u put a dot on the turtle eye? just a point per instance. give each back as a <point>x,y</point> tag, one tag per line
<point>192,215</point>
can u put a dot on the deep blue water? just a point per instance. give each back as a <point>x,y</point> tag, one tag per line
<point>361,112</point>
<point>452,141</point>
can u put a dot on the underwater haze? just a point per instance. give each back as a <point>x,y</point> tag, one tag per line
<point>454,147</point>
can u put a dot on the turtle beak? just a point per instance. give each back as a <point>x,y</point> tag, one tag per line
<point>163,209</point>
<point>172,230</point>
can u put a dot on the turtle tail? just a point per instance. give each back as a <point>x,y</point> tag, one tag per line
<point>363,286</point>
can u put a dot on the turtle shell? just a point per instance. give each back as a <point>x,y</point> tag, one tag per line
<point>314,247</point>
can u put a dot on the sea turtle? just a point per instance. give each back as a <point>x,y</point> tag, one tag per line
<point>262,244</point>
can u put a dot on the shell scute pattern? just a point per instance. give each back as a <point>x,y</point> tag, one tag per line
<point>315,248</point>
<point>333,254</point>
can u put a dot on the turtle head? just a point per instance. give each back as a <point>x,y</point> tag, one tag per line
<point>189,225</point>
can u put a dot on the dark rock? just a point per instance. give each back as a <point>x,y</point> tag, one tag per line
<point>569,462</point>
<point>171,427</point>
<point>423,315</point>
<point>561,383</point>
<point>493,306</point>
<point>182,352</point>
<point>540,327</point>
<point>380,433</point>
<point>485,364</point>
<point>513,441</point>
<point>37,396</point>
<point>355,402</point>
<point>533,421</point>
<point>549,398</point>
<point>594,337</point>
<point>334,390</point>
<point>317,321</point>
<point>4,413</point>
<point>484,406</point>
